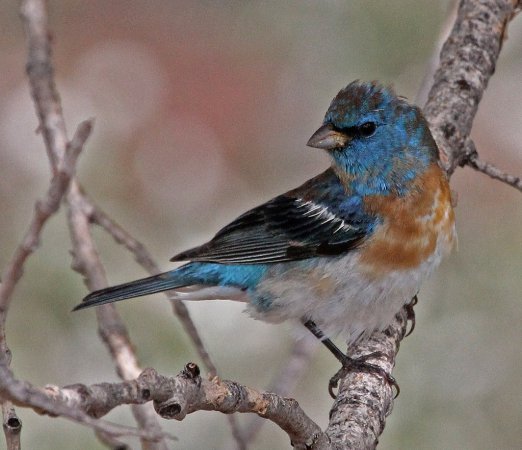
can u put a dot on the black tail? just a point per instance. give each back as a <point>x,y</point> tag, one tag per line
<point>137,288</point>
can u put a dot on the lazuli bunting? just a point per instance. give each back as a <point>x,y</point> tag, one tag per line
<point>344,252</point>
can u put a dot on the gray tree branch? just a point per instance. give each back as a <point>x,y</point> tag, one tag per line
<point>467,61</point>
<point>46,401</point>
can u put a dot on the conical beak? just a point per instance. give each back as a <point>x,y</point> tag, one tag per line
<point>328,138</point>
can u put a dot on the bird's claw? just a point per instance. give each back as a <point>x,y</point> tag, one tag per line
<point>361,365</point>
<point>410,313</point>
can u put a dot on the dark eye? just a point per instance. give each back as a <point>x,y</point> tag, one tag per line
<point>367,129</point>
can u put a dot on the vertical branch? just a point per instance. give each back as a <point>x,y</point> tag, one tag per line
<point>41,79</point>
<point>52,126</point>
<point>467,62</point>
<point>62,155</point>
<point>111,328</point>
<point>12,426</point>
<point>364,400</point>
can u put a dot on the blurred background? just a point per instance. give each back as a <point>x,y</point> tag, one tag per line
<point>203,110</point>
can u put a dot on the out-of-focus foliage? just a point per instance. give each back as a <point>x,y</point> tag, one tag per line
<point>203,110</point>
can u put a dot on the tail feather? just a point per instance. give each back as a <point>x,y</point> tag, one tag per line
<point>150,285</point>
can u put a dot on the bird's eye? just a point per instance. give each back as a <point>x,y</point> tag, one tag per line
<point>367,129</point>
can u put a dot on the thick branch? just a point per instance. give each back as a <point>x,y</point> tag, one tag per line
<point>45,401</point>
<point>467,61</point>
<point>365,399</point>
<point>175,397</point>
<point>191,393</point>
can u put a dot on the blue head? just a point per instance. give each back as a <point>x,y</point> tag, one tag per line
<point>378,142</point>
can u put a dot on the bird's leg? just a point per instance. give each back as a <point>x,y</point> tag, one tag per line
<point>349,364</point>
<point>410,313</point>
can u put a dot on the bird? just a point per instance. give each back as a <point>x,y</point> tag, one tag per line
<point>345,251</point>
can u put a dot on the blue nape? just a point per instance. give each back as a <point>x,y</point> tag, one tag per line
<point>243,276</point>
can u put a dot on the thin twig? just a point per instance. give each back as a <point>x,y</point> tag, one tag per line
<point>489,169</point>
<point>44,209</point>
<point>111,442</point>
<point>62,155</point>
<point>144,258</point>
<point>299,359</point>
<point>111,328</point>
<point>41,79</point>
<point>492,171</point>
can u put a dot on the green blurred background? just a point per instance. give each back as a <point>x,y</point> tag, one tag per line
<point>203,110</point>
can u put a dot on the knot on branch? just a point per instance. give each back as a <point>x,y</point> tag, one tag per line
<point>172,397</point>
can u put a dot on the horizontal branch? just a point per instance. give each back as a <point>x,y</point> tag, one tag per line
<point>53,402</point>
<point>173,398</point>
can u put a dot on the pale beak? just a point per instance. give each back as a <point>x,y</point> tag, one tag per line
<point>328,138</point>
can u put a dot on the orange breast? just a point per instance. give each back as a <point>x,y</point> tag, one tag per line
<point>413,227</point>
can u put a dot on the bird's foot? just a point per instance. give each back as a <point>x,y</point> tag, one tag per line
<point>361,365</point>
<point>410,313</point>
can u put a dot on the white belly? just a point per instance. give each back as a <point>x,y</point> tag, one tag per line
<point>338,296</point>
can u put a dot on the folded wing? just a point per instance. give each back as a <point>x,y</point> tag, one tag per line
<point>287,228</point>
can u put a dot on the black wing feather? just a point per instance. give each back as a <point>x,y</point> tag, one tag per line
<point>286,228</point>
